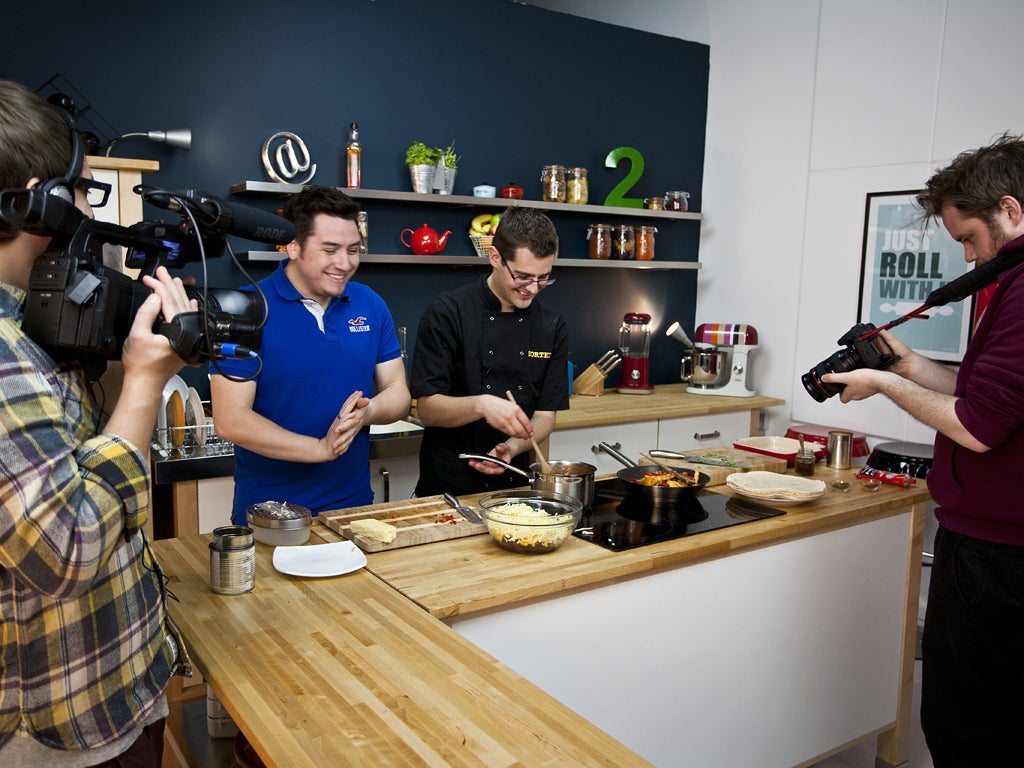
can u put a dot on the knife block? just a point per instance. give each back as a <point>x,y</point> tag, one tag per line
<point>590,382</point>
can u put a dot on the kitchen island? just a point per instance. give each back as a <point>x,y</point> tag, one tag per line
<point>787,639</point>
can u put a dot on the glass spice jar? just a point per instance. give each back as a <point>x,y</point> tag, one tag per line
<point>552,183</point>
<point>655,203</point>
<point>576,186</point>
<point>803,464</point>
<point>600,239</point>
<point>622,242</point>
<point>676,201</point>
<point>644,243</point>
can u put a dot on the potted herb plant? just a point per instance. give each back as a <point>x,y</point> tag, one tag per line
<point>424,162</point>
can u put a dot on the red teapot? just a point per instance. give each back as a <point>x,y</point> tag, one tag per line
<point>425,241</point>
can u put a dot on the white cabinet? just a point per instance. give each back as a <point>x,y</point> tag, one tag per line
<point>578,444</point>
<point>216,497</point>
<point>708,431</point>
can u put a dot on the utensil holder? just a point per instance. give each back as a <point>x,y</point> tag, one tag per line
<point>590,382</point>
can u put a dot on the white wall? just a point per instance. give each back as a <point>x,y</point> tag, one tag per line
<point>812,105</point>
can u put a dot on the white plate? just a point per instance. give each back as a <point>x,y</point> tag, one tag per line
<point>319,560</point>
<point>195,416</point>
<point>174,384</point>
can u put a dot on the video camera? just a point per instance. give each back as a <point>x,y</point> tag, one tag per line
<point>79,308</point>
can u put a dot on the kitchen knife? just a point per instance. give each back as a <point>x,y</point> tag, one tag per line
<point>467,512</point>
<point>711,461</point>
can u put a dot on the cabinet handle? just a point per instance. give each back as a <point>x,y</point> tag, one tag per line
<point>599,449</point>
<point>707,435</point>
<point>387,483</point>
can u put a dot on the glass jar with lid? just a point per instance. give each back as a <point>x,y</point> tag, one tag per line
<point>576,186</point>
<point>600,238</point>
<point>552,183</point>
<point>622,241</point>
<point>676,201</point>
<point>644,243</point>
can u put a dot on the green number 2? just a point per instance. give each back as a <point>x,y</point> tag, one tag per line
<point>636,170</point>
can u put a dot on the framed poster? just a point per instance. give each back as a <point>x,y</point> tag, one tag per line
<point>905,258</point>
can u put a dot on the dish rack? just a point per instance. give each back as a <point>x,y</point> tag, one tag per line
<point>186,442</point>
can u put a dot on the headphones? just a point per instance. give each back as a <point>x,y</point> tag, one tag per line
<point>64,187</point>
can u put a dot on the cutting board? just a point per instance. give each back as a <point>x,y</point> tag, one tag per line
<point>744,461</point>
<point>419,521</point>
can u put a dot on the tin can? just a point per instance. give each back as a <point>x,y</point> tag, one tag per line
<point>232,560</point>
<point>839,446</point>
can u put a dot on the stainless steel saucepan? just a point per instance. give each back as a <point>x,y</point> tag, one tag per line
<point>570,478</point>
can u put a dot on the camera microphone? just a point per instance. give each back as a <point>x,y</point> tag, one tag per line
<point>232,218</point>
<point>976,279</point>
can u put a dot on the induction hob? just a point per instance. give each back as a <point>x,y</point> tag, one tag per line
<point>618,521</point>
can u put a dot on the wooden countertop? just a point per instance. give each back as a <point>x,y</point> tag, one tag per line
<point>473,574</point>
<point>345,671</point>
<point>668,401</point>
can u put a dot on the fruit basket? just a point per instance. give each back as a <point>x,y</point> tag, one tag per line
<point>482,243</point>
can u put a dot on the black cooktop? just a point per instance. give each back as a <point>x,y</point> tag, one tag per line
<point>618,521</point>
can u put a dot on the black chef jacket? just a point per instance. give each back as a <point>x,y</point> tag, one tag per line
<point>466,345</point>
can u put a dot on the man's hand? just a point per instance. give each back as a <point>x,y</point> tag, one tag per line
<point>355,413</point>
<point>505,416</point>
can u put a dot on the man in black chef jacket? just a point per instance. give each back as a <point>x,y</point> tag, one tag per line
<point>475,343</point>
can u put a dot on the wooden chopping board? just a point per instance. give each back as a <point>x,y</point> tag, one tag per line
<point>419,521</point>
<point>744,461</point>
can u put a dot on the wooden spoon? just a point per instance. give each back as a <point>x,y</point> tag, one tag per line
<point>684,479</point>
<point>543,462</point>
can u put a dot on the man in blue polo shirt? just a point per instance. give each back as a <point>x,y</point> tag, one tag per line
<point>299,416</point>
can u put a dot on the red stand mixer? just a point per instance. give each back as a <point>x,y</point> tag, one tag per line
<point>635,346</point>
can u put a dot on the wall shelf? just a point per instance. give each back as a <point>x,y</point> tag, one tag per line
<point>476,261</point>
<point>283,190</point>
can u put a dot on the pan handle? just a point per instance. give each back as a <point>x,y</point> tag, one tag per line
<point>499,462</point>
<point>616,455</point>
<point>661,453</point>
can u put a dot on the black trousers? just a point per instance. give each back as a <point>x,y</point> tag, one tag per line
<point>972,684</point>
<point>145,752</point>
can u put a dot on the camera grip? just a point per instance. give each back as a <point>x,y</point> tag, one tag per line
<point>185,333</point>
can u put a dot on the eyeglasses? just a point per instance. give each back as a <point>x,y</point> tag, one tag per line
<point>96,192</point>
<point>522,282</point>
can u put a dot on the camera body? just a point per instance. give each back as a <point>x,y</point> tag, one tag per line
<point>871,352</point>
<point>78,308</point>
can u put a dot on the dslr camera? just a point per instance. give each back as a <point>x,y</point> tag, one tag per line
<point>858,352</point>
<point>78,308</point>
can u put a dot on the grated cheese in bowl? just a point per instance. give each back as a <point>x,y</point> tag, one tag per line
<point>530,522</point>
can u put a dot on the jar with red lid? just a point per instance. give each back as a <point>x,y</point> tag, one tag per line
<point>644,243</point>
<point>600,239</point>
<point>622,241</point>
<point>676,201</point>
<point>552,183</point>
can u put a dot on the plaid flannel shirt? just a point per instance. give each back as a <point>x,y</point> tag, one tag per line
<point>82,651</point>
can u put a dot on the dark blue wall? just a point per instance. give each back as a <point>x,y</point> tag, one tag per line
<point>515,87</point>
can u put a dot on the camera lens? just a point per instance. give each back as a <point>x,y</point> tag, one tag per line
<point>839,362</point>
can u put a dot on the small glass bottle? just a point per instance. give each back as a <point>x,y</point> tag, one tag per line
<point>622,241</point>
<point>576,186</point>
<point>803,463</point>
<point>644,243</point>
<point>353,157</point>
<point>600,238</point>
<point>552,182</point>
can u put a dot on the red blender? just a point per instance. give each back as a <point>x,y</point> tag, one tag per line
<point>635,346</point>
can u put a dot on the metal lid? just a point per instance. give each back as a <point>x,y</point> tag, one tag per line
<point>273,514</point>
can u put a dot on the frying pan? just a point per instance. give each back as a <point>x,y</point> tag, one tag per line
<point>570,478</point>
<point>657,496</point>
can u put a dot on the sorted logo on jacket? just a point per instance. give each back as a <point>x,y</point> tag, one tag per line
<point>358,325</point>
<point>542,355</point>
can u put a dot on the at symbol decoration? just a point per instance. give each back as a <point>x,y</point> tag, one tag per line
<point>290,159</point>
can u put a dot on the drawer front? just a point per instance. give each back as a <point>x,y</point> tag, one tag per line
<point>578,444</point>
<point>706,431</point>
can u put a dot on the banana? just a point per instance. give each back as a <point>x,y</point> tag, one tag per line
<point>481,223</point>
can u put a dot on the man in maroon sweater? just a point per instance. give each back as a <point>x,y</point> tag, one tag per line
<point>973,646</point>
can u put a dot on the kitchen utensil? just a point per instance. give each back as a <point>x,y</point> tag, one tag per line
<point>549,521</point>
<point>512,191</point>
<point>574,479</point>
<point>609,365</point>
<point>779,447</point>
<point>658,453</point>
<point>840,444</point>
<point>635,345</point>
<point>279,524</point>
<point>424,241</point>
<point>741,461</point>
<point>658,496</point>
<point>536,448</point>
<point>419,521</point>
<point>467,512</point>
<point>683,478</point>
<point>719,360</point>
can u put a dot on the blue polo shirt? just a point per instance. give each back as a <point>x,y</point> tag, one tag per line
<point>306,376</point>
